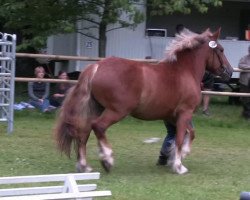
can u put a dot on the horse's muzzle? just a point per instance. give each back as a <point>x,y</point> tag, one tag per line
<point>226,73</point>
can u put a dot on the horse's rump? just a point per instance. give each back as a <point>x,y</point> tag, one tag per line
<point>76,112</point>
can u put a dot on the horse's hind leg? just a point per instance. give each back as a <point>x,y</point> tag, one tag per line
<point>81,165</point>
<point>100,126</point>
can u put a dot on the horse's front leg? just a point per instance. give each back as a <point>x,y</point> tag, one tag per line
<point>182,125</point>
<point>188,139</point>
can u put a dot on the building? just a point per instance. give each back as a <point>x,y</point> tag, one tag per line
<point>151,37</point>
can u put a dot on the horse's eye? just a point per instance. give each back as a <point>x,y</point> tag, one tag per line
<point>221,50</point>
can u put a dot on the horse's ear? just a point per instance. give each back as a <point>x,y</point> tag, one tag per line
<point>216,34</point>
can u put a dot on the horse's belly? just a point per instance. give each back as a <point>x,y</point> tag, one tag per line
<point>163,108</point>
<point>147,117</point>
<point>153,113</point>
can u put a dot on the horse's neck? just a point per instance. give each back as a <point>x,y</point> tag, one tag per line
<point>195,62</point>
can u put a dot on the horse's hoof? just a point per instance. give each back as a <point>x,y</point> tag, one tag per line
<point>180,169</point>
<point>83,169</point>
<point>106,165</point>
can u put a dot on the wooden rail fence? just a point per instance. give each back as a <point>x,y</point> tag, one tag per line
<point>83,58</point>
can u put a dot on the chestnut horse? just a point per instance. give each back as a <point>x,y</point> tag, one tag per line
<point>113,88</point>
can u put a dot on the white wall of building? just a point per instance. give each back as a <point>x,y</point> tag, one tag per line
<point>126,43</point>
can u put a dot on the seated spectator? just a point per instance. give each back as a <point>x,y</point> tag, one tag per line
<point>39,91</point>
<point>60,91</point>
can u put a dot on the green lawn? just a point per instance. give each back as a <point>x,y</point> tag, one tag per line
<point>218,164</point>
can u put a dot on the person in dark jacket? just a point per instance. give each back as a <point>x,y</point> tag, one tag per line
<point>60,90</point>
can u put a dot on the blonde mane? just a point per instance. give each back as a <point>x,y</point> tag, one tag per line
<point>185,40</point>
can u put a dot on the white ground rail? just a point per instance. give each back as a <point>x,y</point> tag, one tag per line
<point>69,190</point>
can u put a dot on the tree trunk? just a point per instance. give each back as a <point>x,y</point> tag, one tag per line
<point>102,29</point>
<point>102,40</point>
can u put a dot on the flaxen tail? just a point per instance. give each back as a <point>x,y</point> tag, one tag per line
<point>75,112</point>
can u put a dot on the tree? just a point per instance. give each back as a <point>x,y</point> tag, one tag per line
<point>36,20</point>
<point>165,7</point>
<point>101,13</point>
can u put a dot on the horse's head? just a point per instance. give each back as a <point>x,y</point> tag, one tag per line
<point>217,62</point>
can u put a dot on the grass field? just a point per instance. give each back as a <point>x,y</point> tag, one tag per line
<point>218,164</point>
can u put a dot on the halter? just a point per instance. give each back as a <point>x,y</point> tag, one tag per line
<point>224,73</point>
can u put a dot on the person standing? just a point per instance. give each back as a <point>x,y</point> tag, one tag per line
<point>206,85</point>
<point>168,144</point>
<point>244,81</point>
<point>39,91</point>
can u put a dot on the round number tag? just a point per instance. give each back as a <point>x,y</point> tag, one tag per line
<point>212,44</point>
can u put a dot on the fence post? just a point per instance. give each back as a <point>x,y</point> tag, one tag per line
<point>7,78</point>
